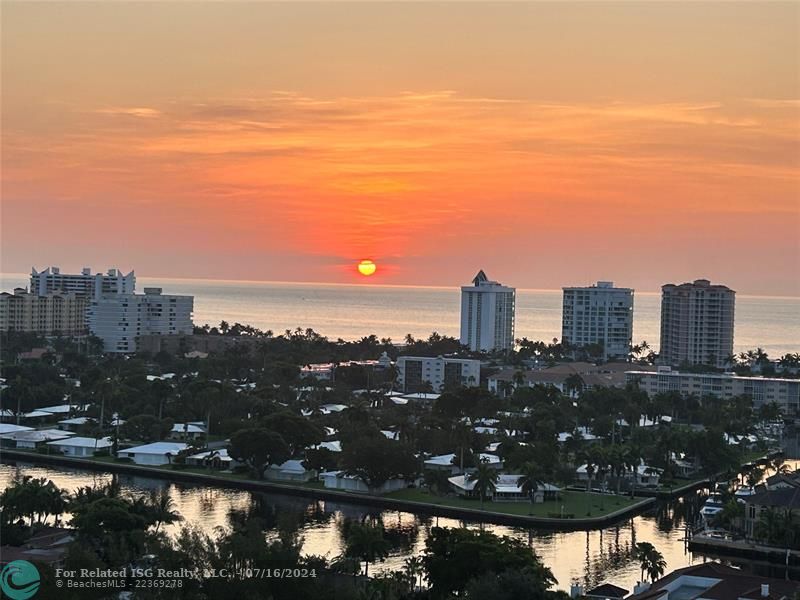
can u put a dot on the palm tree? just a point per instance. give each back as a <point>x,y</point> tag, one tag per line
<point>651,561</point>
<point>162,508</point>
<point>531,479</point>
<point>366,542</point>
<point>415,570</point>
<point>485,478</point>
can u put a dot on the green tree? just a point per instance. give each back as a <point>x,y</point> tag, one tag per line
<point>453,556</point>
<point>365,542</point>
<point>376,459</point>
<point>258,448</point>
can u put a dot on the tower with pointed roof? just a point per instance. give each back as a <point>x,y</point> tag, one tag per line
<point>487,315</point>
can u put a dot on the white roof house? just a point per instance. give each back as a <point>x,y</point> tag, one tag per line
<point>10,428</point>
<point>425,396</point>
<point>486,430</point>
<point>31,438</point>
<point>62,408</point>
<point>214,457</point>
<point>451,461</point>
<point>585,435</point>
<point>333,446</point>
<point>507,488</point>
<point>81,446</point>
<point>290,470</point>
<point>187,430</point>
<point>36,414</point>
<point>391,435</point>
<point>340,480</point>
<point>327,409</point>
<point>157,453</point>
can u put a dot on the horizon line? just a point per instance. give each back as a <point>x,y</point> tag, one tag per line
<point>387,285</point>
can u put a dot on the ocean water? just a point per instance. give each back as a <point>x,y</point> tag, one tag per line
<point>352,311</point>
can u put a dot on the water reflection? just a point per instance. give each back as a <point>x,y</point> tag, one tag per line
<point>587,557</point>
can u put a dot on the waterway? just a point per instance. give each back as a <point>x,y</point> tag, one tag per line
<point>587,557</point>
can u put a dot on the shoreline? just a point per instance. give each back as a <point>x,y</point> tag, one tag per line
<point>466,514</point>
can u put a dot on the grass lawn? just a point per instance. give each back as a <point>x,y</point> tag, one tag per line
<point>574,503</point>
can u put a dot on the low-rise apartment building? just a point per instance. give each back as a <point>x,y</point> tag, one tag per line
<point>415,372</point>
<point>763,390</point>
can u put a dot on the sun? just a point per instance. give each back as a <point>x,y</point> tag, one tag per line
<point>367,267</point>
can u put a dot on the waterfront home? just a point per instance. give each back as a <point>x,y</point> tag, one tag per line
<point>782,481</point>
<point>507,489</point>
<point>642,476</point>
<point>682,467</point>
<point>187,431</point>
<point>82,446</point>
<point>714,581</point>
<point>11,428</point>
<point>783,499</point>
<point>291,470</point>
<point>155,454</point>
<point>340,480</point>
<point>216,459</point>
<point>450,462</point>
<point>32,439</point>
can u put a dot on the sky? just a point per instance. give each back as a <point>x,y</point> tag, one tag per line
<point>549,144</point>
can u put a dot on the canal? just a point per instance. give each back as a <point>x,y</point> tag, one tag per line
<point>586,557</point>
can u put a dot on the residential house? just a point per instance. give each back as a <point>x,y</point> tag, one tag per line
<point>82,446</point>
<point>507,489</point>
<point>714,581</point>
<point>155,454</point>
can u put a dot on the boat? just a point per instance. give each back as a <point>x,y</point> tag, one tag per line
<point>712,506</point>
<point>743,492</point>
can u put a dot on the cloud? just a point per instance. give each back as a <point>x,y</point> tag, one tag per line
<point>139,112</point>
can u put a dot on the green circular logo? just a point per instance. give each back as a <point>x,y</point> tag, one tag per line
<point>19,580</point>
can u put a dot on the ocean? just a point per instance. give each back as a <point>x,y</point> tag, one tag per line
<point>353,311</point>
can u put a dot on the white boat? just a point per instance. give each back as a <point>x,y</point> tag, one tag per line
<point>712,506</point>
<point>743,492</point>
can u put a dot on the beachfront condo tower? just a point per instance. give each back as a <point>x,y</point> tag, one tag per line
<point>601,316</point>
<point>696,324</point>
<point>487,315</point>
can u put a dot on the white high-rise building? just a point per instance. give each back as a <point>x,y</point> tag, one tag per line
<point>599,314</point>
<point>487,315</point>
<point>83,284</point>
<point>120,319</point>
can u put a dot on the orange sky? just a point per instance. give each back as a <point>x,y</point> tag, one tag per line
<point>548,143</point>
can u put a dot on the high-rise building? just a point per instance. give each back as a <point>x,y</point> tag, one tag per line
<point>599,314</point>
<point>487,315</point>
<point>696,323</point>
<point>120,319</point>
<point>85,283</point>
<point>50,314</point>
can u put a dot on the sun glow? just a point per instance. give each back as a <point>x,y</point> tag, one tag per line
<point>366,268</point>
